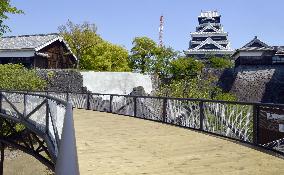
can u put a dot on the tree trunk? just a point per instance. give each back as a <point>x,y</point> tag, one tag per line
<point>2,148</point>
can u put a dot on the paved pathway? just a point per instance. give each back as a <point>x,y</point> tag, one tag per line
<point>113,144</point>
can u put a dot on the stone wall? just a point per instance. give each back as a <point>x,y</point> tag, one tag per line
<point>251,83</point>
<point>62,80</point>
<point>224,77</point>
<point>259,84</point>
<point>248,83</point>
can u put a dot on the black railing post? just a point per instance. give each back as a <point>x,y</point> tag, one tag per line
<point>110,103</point>
<point>25,105</point>
<point>135,106</point>
<point>67,96</point>
<point>165,110</point>
<point>2,157</point>
<point>88,101</point>
<point>255,124</point>
<point>1,99</point>
<point>201,115</point>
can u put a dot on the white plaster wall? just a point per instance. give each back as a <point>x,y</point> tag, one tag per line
<point>115,82</point>
<point>252,53</point>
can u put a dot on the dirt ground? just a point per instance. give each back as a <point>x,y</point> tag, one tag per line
<point>19,163</point>
<point>111,144</point>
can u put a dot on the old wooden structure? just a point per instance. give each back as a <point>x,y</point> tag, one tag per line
<point>257,52</point>
<point>47,51</point>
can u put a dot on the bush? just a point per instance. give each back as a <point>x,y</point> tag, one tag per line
<point>185,68</point>
<point>220,63</point>
<point>17,77</point>
<point>225,97</point>
<point>195,88</point>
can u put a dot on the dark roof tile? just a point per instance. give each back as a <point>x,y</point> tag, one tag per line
<point>25,41</point>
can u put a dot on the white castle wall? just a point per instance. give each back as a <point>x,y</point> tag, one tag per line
<point>115,82</point>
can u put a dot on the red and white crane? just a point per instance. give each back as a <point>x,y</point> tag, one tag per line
<point>161,31</point>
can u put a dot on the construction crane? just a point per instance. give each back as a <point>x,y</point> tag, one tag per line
<point>161,31</point>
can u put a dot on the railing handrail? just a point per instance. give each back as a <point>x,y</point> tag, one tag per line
<point>202,102</point>
<point>34,93</point>
<point>253,117</point>
<point>149,96</point>
<point>55,150</point>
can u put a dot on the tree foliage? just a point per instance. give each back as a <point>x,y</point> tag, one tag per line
<point>185,68</point>
<point>142,54</point>
<point>6,8</point>
<point>106,57</point>
<point>147,57</point>
<point>80,37</point>
<point>17,77</point>
<point>195,88</point>
<point>187,82</point>
<point>220,63</point>
<point>162,61</point>
<point>93,52</point>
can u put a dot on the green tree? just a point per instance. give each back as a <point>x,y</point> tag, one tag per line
<point>106,57</point>
<point>80,37</point>
<point>92,51</point>
<point>220,63</point>
<point>147,56</point>
<point>186,68</point>
<point>195,88</point>
<point>142,53</point>
<point>187,82</point>
<point>6,8</point>
<point>162,61</point>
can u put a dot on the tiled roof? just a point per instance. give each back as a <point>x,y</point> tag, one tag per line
<point>280,50</point>
<point>26,41</point>
<point>257,45</point>
<point>255,40</point>
<point>256,48</point>
<point>209,14</point>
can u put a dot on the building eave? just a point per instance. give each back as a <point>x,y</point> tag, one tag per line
<point>210,41</point>
<point>208,34</point>
<point>10,53</point>
<point>204,51</point>
<point>210,26</point>
<point>60,39</point>
<point>15,50</point>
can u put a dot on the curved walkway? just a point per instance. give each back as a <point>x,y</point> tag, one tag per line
<point>115,144</point>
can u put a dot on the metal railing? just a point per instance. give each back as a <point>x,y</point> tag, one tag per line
<point>43,120</point>
<point>241,121</point>
<point>258,124</point>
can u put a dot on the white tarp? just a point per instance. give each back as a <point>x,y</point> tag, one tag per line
<point>115,82</point>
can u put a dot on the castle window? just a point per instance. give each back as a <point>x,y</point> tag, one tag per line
<point>277,59</point>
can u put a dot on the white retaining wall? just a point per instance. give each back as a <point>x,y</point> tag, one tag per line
<point>115,82</point>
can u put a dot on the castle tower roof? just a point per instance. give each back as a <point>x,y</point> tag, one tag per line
<point>209,37</point>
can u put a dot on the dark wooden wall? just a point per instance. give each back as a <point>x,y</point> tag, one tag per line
<point>59,57</point>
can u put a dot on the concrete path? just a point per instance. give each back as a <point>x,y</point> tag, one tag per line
<point>112,144</point>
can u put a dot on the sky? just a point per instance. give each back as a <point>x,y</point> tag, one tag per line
<point>119,21</point>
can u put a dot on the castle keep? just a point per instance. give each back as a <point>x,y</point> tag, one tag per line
<point>209,37</point>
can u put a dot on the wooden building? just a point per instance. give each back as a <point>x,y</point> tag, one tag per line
<point>46,51</point>
<point>257,52</point>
